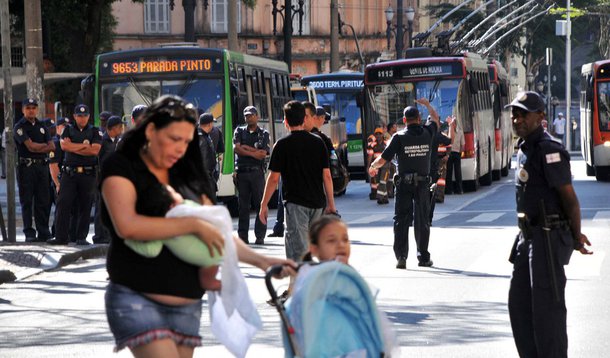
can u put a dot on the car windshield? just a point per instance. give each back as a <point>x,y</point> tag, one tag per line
<point>389,100</point>
<point>120,97</point>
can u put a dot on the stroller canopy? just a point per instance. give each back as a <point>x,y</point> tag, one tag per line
<point>333,313</point>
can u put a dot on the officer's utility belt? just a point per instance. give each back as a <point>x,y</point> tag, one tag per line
<point>79,170</point>
<point>411,178</point>
<point>248,169</point>
<point>552,222</point>
<point>32,161</point>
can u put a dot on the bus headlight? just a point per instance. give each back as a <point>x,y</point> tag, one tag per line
<point>607,144</point>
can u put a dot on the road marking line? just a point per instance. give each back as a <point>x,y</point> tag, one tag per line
<point>485,217</point>
<point>440,216</point>
<point>602,215</point>
<point>369,219</point>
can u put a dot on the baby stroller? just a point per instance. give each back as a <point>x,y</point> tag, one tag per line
<point>331,313</point>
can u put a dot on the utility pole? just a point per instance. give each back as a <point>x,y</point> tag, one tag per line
<point>5,31</point>
<point>288,34</point>
<point>399,30</point>
<point>568,78</point>
<point>334,36</point>
<point>189,20</point>
<point>34,69</point>
<point>232,26</point>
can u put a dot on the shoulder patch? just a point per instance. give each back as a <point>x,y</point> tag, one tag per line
<point>553,158</point>
<point>20,131</point>
<point>51,155</point>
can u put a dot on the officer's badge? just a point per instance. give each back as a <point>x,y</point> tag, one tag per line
<point>51,155</point>
<point>101,134</point>
<point>86,141</point>
<point>523,175</point>
<point>42,130</point>
<point>20,131</point>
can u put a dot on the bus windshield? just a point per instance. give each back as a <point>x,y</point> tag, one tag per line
<point>121,97</point>
<point>603,105</point>
<point>389,100</point>
<point>343,105</point>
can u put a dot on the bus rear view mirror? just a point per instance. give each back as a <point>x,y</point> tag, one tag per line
<point>360,99</point>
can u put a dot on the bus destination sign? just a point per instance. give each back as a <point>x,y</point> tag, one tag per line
<point>336,84</point>
<point>413,71</point>
<point>159,65</point>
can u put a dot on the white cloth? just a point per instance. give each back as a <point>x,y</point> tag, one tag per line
<point>234,318</point>
<point>559,125</point>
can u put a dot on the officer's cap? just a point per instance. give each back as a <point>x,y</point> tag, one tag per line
<point>250,110</point>
<point>81,110</point>
<point>529,101</point>
<point>411,112</point>
<point>137,110</point>
<point>30,102</point>
<point>114,121</point>
<point>62,121</point>
<point>49,122</point>
<point>206,118</point>
<point>104,116</point>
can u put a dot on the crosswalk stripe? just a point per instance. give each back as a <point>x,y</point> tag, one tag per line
<point>485,218</point>
<point>440,216</point>
<point>369,219</point>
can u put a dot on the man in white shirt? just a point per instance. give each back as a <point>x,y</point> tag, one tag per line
<point>559,126</point>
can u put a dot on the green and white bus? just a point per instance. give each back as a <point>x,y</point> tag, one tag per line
<point>217,81</point>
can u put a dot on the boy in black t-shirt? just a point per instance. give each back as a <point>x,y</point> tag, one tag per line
<point>302,161</point>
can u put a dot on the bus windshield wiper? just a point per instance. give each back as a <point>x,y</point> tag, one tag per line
<point>434,89</point>
<point>139,90</point>
<point>187,85</point>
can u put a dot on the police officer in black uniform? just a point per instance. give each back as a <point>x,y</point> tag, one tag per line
<point>56,159</point>
<point>33,145</point>
<point>412,146</point>
<point>549,222</point>
<point>208,149</point>
<point>81,143</point>
<point>251,144</point>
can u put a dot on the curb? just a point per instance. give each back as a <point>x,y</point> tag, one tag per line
<point>53,261</point>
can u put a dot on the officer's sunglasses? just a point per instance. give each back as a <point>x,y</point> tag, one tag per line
<point>179,110</point>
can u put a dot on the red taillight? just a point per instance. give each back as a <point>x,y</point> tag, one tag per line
<point>468,146</point>
<point>498,140</point>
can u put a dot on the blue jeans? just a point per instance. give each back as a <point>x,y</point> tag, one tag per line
<point>135,320</point>
<point>298,219</point>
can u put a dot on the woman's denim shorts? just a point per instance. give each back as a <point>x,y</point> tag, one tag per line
<point>136,320</point>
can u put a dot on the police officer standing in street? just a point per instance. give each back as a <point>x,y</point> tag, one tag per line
<point>33,145</point>
<point>81,143</point>
<point>412,146</point>
<point>549,222</point>
<point>208,150</point>
<point>251,144</point>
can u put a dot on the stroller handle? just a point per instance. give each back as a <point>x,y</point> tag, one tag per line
<point>272,271</point>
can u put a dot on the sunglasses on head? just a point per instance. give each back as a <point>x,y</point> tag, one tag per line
<point>178,109</point>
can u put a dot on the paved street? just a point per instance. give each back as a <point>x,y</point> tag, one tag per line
<point>455,309</point>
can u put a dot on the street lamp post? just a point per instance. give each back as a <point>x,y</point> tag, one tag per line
<point>399,29</point>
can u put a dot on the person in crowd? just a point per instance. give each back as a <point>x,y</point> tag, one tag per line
<point>3,154</point>
<point>559,126</point>
<point>81,144</point>
<point>412,147</point>
<point>251,143</point>
<point>208,150</point>
<point>114,129</point>
<point>301,159</point>
<point>392,128</point>
<point>153,305</point>
<point>454,163</point>
<point>33,143</point>
<point>137,114</point>
<point>104,116</point>
<point>548,213</point>
<point>56,159</point>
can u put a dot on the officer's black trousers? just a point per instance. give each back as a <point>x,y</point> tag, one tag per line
<point>79,187</point>
<point>251,185</point>
<point>412,200</point>
<point>34,195</point>
<point>537,319</point>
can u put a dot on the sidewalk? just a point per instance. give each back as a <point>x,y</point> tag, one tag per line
<point>19,260</point>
